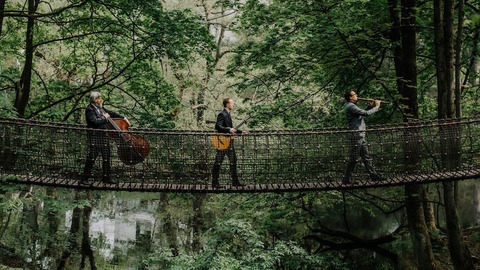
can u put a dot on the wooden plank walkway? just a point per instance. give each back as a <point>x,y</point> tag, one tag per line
<point>58,181</point>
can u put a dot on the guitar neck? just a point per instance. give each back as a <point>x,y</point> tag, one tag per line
<point>242,123</point>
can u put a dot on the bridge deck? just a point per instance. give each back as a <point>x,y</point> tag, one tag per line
<point>207,188</point>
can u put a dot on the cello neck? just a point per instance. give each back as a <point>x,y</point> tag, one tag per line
<point>114,125</point>
<point>110,120</point>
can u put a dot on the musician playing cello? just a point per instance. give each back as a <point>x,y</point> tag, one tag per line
<point>224,124</point>
<point>98,142</point>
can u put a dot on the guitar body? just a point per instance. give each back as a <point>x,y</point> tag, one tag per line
<point>221,142</point>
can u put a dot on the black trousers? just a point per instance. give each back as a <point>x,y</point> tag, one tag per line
<point>98,143</point>
<point>232,157</point>
<point>358,145</point>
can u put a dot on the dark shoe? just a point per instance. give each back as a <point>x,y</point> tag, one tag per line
<point>351,182</point>
<point>106,180</point>
<point>377,177</point>
<point>347,180</point>
<point>237,184</point>
<point>216,186</point>
<point>85,183</point>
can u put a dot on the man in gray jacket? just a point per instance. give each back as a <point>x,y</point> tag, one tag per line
<point>358,143</point>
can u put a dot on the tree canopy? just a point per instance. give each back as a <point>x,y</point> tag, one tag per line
<point>169,64</point>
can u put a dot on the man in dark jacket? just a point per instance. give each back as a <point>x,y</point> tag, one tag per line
<point>224,125</point>
<point>98,143</point>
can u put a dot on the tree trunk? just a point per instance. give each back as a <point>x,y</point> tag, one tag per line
<point>416,212</point>
<point>30,216</point>
<point>169,229</point>
<point>408,91</point>
<point>201,100</point>
<point>208,69</point>
<point>429,212</point>
<point>473,66</point>
<point>198,220</point>
<point>450,145</point>
<point>458,60</point>
<point>86,250</point>
<point>448,45</point>
<point>23,88</point>
<point>2,9</point>
<point>395,39</point>
<point>441,65</point>
<point>418,229</point>
<point>461,257</point>
<point>53,219</point>
<point>9,143</point>
<point>63,262</point>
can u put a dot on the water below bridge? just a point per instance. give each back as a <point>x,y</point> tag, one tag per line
<point>121,223</point>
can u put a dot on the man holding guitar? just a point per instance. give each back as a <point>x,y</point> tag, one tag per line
<point>224,144</point>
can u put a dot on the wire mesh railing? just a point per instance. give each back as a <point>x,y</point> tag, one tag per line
<point>46,153</point>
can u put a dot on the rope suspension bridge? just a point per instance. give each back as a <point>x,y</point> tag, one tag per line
<point>53,154</point>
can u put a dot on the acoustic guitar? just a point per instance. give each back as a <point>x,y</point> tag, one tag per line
<point>222,141</point>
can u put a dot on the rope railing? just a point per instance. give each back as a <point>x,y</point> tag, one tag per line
<point>54,154</point>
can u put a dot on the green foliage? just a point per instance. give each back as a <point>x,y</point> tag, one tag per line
<point>233,244</point>
<point>115,48</point>
<point>10,204</point>
<point>476,236</point>
<point>296,51</point>
<point>154,94</point>
<point>7,108</point>
<point>31,223</point>
<point>293,62</point>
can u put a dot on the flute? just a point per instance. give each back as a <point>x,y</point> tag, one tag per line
<point>371,99</point>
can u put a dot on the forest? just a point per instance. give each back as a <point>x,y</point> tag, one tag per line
<point>287,63</point>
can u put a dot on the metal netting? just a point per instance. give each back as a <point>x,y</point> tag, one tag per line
<point>45,153</point>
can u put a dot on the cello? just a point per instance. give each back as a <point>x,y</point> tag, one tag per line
<point>131,148</point>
